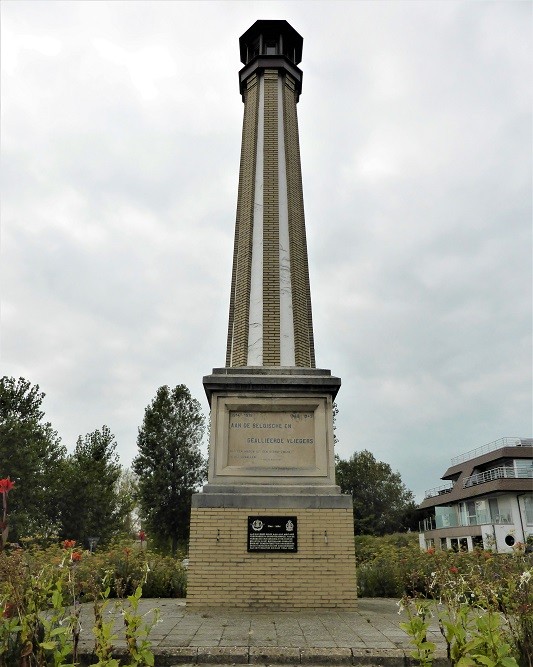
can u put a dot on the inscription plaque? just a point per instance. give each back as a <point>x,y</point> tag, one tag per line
<point>272,439</point>
<point>272,533</point>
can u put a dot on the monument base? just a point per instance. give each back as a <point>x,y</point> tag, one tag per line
<point>319,574</point>
<point>271,530</point>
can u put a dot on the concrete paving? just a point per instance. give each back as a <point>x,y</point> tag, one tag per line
<point>368,635</point>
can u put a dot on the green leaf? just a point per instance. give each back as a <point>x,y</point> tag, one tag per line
<point>466,661</point>
<point>485,660</point>
<point>427,646</point>
<point>148,658</point>
<point>61,630</point>
<point>48,646</point>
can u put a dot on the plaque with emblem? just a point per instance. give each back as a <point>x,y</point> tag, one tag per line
<point>268,534</point>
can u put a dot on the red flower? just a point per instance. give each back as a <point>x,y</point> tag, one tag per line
<point>75,556</point>
<point>142,535</point>
<point>454,570</point>
<point>9,610</point>
<point>6,485</point>
<point>431,550</point>
<point>68,544</point>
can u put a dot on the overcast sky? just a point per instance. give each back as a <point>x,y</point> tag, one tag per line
<point>121,130</point>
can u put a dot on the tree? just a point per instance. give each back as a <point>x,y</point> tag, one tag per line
<point>127,491</point>
<point>169,464</point>
<point>381,502</point>
<point>90,502</point>
<point>30,455</point>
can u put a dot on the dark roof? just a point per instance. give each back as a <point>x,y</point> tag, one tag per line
<point>465,469</point>
<point>272,29</point>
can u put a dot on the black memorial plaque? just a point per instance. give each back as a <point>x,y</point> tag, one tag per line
<point>272,533</point>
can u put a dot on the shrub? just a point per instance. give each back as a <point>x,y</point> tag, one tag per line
<point>55,579</point>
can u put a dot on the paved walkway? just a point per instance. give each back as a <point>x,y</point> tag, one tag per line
<point>369,635</point>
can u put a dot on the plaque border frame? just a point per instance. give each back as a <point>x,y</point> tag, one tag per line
<point>227,404</point>
<point>272,551</point>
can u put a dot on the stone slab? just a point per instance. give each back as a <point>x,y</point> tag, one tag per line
<point>271,501</point>
<point>375,657</point>
<point>223,655</point>
<point>274,655</point>
<point>326,656</point>
<point>305,381</point>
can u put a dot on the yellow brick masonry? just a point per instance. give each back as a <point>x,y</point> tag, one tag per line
<point>301,293</point>
<point>237,346</point>
<point>320,575</point>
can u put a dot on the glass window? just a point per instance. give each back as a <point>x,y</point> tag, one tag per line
<point>445,517</point>
<point>271,48</point>
<point>528,506</point>
<point>500,510</point>
<point>468,513</point>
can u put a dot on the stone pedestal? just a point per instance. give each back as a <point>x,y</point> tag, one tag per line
<point>271,529</point>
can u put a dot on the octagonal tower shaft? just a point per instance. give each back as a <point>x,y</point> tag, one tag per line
<point>270,320</point>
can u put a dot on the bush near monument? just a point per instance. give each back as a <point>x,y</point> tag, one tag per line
<point>33,579</point>
<point>486,598</point>
<point>57,579</point>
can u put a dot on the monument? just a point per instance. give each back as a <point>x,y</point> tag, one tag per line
<point>270,529</point>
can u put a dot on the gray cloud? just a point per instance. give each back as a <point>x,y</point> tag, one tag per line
<point>121,137</point>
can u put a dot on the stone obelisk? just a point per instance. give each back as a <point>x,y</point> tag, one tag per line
<point>271,529</point>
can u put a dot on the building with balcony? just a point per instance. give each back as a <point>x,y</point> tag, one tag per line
<point>487,501</point>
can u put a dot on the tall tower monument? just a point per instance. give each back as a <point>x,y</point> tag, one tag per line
<point>271,529</point>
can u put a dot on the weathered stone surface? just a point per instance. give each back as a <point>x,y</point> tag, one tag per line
<point>223,655</point>
<point>179,655</point>
<point>268,655</point>
<point>375,657</point>
<point>326,656</point>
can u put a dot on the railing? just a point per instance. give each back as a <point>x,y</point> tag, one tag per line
<point>438,491</point>
<point>434,523</point>
<point>491,446</point>
<point>426,524</point>
<point>498,473</point>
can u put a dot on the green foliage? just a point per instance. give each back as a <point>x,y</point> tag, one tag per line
<point>389,566</point>
<point>55,580</point>
<point>138,631</point>
<point>75,496</point>
<point>485,606</point>
<point>381,502</point>
<point>89,499</point>
<point>125,568</point>
<point>29,636</point>
<point>127,490</point>
<point>417,628</point>
<point>169,464</point>
<point>30,454</point>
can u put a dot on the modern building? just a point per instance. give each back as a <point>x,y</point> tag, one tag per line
<point>487,501</point>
